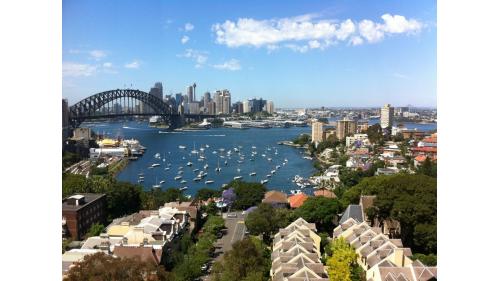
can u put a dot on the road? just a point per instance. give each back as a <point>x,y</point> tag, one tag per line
<point>235,232</point>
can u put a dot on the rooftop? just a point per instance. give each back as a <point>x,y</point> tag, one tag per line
<point>352,211</point>
<point>88,198</point>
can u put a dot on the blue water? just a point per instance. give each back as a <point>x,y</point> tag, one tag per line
<point>167,144</point>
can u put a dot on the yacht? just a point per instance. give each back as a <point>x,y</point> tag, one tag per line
<point>162,182</point>
<point>178,178</point>
<point>273,171</point>
<point>238,170</point>
<point>278,166</point>
<point>156,185</point>
<point>269,159</point>
<point>207,146</point>
<point>209,181</point>
<point>183,181</point>
<point>141,174</point>
<point>239,161</point>
<point>263,181</point>
<point>167,168</point>
<point>268,176</point>
<point>195,170</point>
<point>180,168</point>
<point>214,152</point>
<point>183,188</point>
<point>180,172</point>
<point>237,177</point>
<point>218,169</point>
<point>205,166</point>
<point>198,178</point>
<point>253,147</point>
<point>189,164</point>
<point>157,155</point>
<point>140,180</point>
<point>225,162</point>
<point>253,173</point>
<point>155,165</point>
<point>182,147</point>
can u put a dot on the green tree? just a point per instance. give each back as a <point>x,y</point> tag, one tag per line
<point>429,260</point>
<point>428,168</point>
<point>206,193</point>
<point>342,264</point>
<point>375,133</point>
<point>100,266</point>
<point>320,210</point>
<point>245,261</point>
<point>248,194</point>
<point>95,230</point>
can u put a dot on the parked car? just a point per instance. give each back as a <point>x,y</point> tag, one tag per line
<point>232,215</point>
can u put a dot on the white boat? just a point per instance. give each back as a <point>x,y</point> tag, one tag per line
<point>180,172</point>
<point>167,168</point>
<point>183,188</point>
<point>209,181</point>
<point>268,176</point>
<point>183,181</point>
<point>140,181</point>
<point>238,170</point>
<point>218,169</point>
<point>205,166</point>
<point>225,162</point>
<point>273,171</point>
<point>207,146</point>
<point>278,166</point>
<point>178,178</point>
<point>156,185</point>
<point>197,179</point>
<point>182,147</point>
<point>263,181</point>
<point>286,160</point>
<point>237,177</point>
<point>189,163</point>
<point>263,155</point>
<point>157,155</point>
<point>162,182</point>
<point>239,161</point>
<point>253,173</point>
<point>253,147</point>
<point>269,159</point>
<point>180,168</point>
<point>141,174</point>
<point>236,149</point>
<point>214,152</point>
<point>155,165</point>
<point>195,170</point>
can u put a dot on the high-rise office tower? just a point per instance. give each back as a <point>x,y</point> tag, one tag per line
<point>386,116</point>
<point>157,90</point>
<point>317,132</point>
<point>270,107</point>
<point>246,106</point>
<point>226,102</point>
<point>345,128</point>
<point>189,93</point>
<point>178,98</point>
<point>206,99</point>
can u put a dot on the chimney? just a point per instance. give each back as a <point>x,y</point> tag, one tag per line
<point>399,257</point>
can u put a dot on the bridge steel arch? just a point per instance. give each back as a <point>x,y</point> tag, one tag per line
<point>88,107</point>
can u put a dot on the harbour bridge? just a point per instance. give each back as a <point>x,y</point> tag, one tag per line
<point>128,102</point>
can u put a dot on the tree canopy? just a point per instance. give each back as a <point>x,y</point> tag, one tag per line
<point>320,210</point>
<point>248,194</point>
<point>342,265</point>
<point>100,266</point>
<point>266,220</point>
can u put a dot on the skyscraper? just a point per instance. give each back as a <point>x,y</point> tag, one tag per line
<point>345,128</point>
<point>206,99</point>
<point>317,132</point>
<point>189,93</point>
<point>178,99</point>
<point>246,106</point>
<point>386,116</point>
<point>270,107</point>
<point>226,102</point>
<point>194,92</point>
<point>157,90</point>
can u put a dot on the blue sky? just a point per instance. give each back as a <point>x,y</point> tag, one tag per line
<point>302,53</point>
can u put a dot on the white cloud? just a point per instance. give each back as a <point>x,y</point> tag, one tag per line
<point>97,54</point>
<point>199,57</point>
<point>399,75</point>
<point>315,33</point>
<point>107,65</point>
<point>184,39</point>
<point>71,69</point>
<point>188,27</point>
<point>232,65</point>
<point>134,64</point>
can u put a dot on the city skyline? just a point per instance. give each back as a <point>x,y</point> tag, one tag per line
<point>297,55</point>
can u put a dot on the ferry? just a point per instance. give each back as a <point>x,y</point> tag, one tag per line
<point>253,173</point>
<point>182,147</point>
<point>155,165</point>
<point>209,181</point>
<point>178,178</point>
<point>237,178</point>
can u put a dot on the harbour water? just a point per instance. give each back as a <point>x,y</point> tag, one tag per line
<point>268,155</point>
<point>167,145</point>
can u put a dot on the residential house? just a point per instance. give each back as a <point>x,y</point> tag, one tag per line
<point>276,198</point>
<point>297,200</point>
<point>296,254</point>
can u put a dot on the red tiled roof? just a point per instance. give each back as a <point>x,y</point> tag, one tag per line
<point>297,200</point>
<point>421,158</point>
<point>425,149</point>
